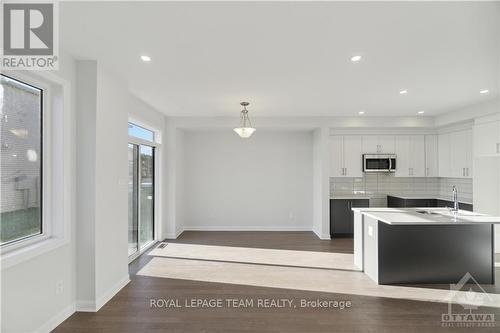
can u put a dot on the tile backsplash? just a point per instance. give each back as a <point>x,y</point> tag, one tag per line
<point>379,185</point>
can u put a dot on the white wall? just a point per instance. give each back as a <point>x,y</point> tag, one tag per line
<point>111,196</point>
<point>264,183</point>
<point>29,301</point>
<point>93,263</point>
<point>321,187</point>
<point>86,101</point>
<point>173,182</point>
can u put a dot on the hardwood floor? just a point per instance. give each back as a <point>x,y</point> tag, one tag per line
<point>130,311</point>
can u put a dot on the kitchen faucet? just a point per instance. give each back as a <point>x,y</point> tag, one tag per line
<point>455,200</point>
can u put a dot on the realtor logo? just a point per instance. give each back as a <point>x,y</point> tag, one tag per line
<point>470,301</point>
<point>29,37</point>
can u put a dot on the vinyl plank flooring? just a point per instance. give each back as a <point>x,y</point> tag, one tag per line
<point>130,311</point>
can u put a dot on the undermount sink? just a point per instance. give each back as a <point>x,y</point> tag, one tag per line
<point>428,212</point>
<point>448,213</point>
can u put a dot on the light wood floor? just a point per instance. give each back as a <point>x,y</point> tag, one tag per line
<point>129,310</point>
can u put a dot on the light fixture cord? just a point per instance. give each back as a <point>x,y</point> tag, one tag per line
<point>245,118</point>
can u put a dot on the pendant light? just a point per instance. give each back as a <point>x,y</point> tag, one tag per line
<point>245,130</point>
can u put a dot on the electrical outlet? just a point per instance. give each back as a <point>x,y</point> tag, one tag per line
<point>59,287</point>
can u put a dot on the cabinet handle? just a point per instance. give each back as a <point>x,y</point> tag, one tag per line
<point>426,171</point>
<point>498,147</point>
<point>467,172</point>
<point>463,171</point>
<point>346,171</point>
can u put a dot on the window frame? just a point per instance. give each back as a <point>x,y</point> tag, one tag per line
<point>153,132</point>
<point>157,167</point>
<point>44,226</point>
<point>57,168</point>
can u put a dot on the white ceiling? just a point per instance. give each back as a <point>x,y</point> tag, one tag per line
<point>293,58</point>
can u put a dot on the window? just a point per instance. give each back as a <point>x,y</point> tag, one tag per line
<point>140,132</point>
<point>21,160</point>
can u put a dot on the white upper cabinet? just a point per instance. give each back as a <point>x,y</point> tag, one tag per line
<point>353,160</point>
<point>444,148</point>
<point>346,156</point>
<point>336,156</point>
<point>402,156</point>
<point>417,155</point>
<point>379,144</point>
<point>461,154</point>
<point>410,152</point>
<point>431,156</point>
<point>487,139</point>
<point>387,144</point>
<point>455,154</point>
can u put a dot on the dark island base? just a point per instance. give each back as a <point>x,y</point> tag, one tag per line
<point>431,254</point>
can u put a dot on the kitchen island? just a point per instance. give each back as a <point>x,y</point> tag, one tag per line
<point>424,245</point>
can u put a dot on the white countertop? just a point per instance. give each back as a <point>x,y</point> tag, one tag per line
<point>418,196</point>
<point>349,196</point>
<point>411,216</point>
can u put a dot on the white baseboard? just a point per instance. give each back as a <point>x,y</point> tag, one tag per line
<point>321,236</point>
<point>91,306</point>
<point>85,306</point>
<point>57,319</point>
<point>172,235</point>
<point>103,299</point>
<point>245,228</point>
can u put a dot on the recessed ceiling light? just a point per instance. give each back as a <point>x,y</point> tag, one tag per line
<point>421,112</point>
<point>485,91</point>
<point>361,112</point>
<point>356,58</point>
<point>145,58</point>
<point>402,92</point>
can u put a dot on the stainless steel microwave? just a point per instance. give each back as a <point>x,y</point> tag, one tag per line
<point>379,163</point>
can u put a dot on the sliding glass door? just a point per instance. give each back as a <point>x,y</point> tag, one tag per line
<point>146,195</point>
<point>140,197</point>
